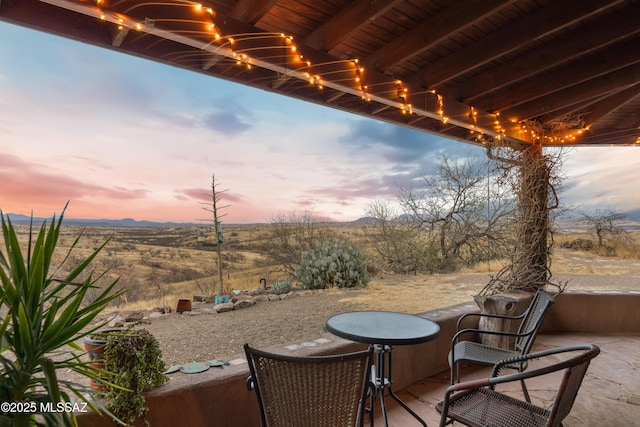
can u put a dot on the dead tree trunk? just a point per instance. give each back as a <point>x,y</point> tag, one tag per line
<point>511,290</point>
<point>214,208</point>
<point>529,266</point>
<point>530,270</point>
<point>504,305</point>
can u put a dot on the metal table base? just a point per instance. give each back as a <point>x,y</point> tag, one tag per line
<point>381,378</point>
<point>383,330</point>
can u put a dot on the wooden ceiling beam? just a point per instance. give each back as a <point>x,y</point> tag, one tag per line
<point>572,116</point>
<point>252,11</point>
<point>630,121</point>
<point>41,16</point>
<point>180,36</point>
<point>458,15</point>
<point>584,69</point>
<point>610,104</point>
<point>609,83</point>
<point>545,21</point>
<point>596,137</point>
<point>211,60</point>
<point>573,112</point>
<point>280,80</point>
<point>611,29</point>
<point>347,21</point>
<point>119,33</point>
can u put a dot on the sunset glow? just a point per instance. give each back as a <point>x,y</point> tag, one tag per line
<point>121,137</point>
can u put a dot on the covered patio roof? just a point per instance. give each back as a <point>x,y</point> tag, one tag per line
<point>483,72</point>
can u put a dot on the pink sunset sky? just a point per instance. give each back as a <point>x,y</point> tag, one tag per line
<point>121,137</point>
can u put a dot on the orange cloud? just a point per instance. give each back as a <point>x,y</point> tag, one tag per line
<point>27,185</point>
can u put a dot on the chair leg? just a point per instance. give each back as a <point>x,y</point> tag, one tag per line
<point>372,401</point>
<point>373,392</point>
<point>525,391</point>
<point>455,373</point>
<point>453,367</point>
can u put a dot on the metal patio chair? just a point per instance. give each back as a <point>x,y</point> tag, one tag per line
<point>313,391</point>
<point>476,403</point>
<point>470,351</point>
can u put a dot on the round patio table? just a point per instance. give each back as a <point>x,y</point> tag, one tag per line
<point>383,330</point>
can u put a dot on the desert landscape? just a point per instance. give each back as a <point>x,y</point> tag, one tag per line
<point>162,264</point>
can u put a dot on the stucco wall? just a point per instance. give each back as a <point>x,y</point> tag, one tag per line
<point>219,397</point>
<point>595,311</point>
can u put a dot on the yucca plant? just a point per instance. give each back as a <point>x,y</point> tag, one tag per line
<point>44,312</point>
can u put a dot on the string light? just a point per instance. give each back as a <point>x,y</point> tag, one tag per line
<point>314,74</point>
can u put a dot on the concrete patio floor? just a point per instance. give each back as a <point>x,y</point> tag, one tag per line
<point>609,396</point>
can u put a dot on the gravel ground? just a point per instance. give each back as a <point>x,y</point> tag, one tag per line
<point>187,338</point>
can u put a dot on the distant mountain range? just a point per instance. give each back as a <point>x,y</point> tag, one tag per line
<point>633,216</point>
<point>124,222</point>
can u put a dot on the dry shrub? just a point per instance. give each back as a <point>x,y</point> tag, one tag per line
<point>622,250</point>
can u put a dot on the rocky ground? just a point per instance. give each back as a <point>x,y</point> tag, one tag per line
<point>204,334</point>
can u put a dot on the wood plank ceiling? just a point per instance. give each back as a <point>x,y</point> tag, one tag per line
<point>525,71</point>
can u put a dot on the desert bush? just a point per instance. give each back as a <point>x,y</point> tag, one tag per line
<point>605,225</point>
<point>289,237</point>
<point>333,263</point>
<point>232,258</point>
<point>282,287</point>
<point>624,250</point>
<point>628,250</point>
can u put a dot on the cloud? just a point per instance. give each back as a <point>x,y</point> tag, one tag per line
<point>226,122</point>
<point>383,186</point>
<point>231,119</point>
<point>398,157</point>
<point>28,184</point>
<point>123,137</point>
<point>204,195</point>
<point>401,144</point>
<point>599,178</point>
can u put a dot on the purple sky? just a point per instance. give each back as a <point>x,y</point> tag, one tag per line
<point>121,137</point>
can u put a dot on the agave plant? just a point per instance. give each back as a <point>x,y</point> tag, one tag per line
<point>44,311</point>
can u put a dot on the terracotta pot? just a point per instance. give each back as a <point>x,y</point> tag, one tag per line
<point>95,349</point>
<point>184,304</point>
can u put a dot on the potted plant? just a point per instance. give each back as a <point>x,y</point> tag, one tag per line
<point>94,345</point>
<point>44,310</point>
<point>133,360</point>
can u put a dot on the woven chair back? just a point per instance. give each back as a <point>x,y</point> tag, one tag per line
<point>532,321</point>
<point>312,391</point>
<point>570,385</point>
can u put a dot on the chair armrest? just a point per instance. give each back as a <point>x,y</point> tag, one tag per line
<point>495,316</point>
<point>469,386</point>
<point>456,337</point>
<point>589,352</point>
<point>499,379</point>
<point>539,354</point>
